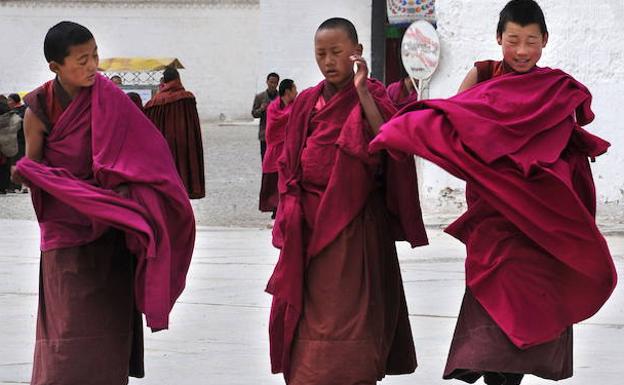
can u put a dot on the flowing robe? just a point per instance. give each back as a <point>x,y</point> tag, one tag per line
<point>104,255</point>
<point>536,262</point>
<point>339,314</point>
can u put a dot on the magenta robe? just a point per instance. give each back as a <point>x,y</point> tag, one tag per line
<point>536,261</point>
<point>102,141</point>
<point>277,118</point>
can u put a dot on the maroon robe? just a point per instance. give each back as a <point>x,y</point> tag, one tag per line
<point>173,110</point>
<point>536,261</point>
<point>399,95</point>
<point>476,329</point>
<point>86,297</point>
<point>339,314</point>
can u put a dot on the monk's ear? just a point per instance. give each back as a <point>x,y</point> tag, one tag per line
<point>545,40</point>
<point>359,49</point>
<point>499,39</point>
<point>54,67</point>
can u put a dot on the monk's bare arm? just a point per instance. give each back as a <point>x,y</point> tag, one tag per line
<point>370,110</point>
<point>34,132</point>
<point>469,81</point>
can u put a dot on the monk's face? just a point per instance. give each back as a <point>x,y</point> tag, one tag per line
<point>333,49</point>
<point>522,46</point>
<point>79,67</point>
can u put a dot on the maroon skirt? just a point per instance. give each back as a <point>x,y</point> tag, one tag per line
<point>480,347</point>
<point>88,330</point>
<point>355,327</point>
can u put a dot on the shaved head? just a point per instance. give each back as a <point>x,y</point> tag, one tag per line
<point>343,24</point>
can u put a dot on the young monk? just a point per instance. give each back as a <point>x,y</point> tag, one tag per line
<point>402,92</point>
<point>278,113</point>
<point>536,261</point>
<point>339,314</point>
<point>174,111</point>
<point>117,229</point>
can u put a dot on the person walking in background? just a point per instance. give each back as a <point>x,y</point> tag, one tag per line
<point>260,105</point>
<point>10,124</point>
<point>278,113</point>
<point>174,111</point>
<point>15,104</point>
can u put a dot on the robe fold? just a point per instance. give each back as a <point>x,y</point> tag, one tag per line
<point>174,111</point>
<point>102,141</point>
<point>536,261</point>
<point>340,211</point>
<point>277,118</point>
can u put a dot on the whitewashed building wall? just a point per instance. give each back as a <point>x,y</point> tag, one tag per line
<point>216,40</point>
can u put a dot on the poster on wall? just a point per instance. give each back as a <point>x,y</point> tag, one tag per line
<point>408,11</point>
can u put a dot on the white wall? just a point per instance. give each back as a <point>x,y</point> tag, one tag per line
<point>217,43</point>
<point>228,50</point>
<point>287,40</point>
<point>585,41</point>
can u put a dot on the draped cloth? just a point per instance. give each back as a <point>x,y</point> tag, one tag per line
<point>536,261</point>
<point>174,111</point>
<point>335,197</point>
<point>100,142</point>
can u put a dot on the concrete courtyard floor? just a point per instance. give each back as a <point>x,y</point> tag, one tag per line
<point>218,332</point>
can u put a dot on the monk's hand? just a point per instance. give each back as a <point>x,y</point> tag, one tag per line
<point>361,75</point>
<point>16,177</point>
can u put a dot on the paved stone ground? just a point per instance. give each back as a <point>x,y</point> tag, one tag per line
<point>218,329</point>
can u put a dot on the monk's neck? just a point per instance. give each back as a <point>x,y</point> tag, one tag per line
<point>71,91</point>
<point>343,85</point>
<point>331,89</point>
<point>507,68</point>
